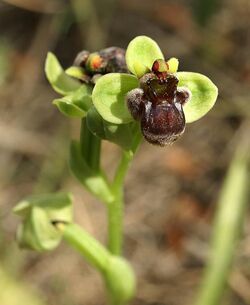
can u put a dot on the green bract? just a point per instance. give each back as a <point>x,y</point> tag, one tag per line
<point>59,80</point>
<point>76,72</point>
<point>75,104</point>
<point>94,182</point>
<point>38,212</point>
<point>109,96</point>
<point>204,94</point>
<point>141,53</point>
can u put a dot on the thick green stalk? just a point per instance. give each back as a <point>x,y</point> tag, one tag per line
<point>94,157</point>
<point>116,272</point>
<point>116,207</point>
<point>227,227</point>
<point>115,225</point>
<point>84,139</point>
<point>93,251</point>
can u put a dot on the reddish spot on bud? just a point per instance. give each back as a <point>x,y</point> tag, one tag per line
<point>96,62</point>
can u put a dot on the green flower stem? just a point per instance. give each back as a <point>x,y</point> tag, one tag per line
<point>117,274</point>
<point>94,157</point>
<point>115,224</point>
<point>90,147</point>
<point>116,207</point>
<point>93,251</point>
<point>122,170</point>
<point>228,225</point>
<point>84,139</point>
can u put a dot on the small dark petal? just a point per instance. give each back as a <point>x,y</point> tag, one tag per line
<point>165,90</point>
<point>135,103</point>
<point>146,84</point>
<point>81,58</point>
<point>146,79</point>
<point>172,82</point>
<point>159,90</point>
<point>163,124</point>
<point>183,95</point>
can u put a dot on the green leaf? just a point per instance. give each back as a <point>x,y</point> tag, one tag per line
<point>38,212</point>
<point>141,53</point>
<point>59,80</point>
<point>95,183</point>
<point>109,96</point>
<point>76,104</point>
<point>228,226</point>
<point>204,94</point>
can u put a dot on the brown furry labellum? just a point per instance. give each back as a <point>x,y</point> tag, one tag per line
<point>157,104</point>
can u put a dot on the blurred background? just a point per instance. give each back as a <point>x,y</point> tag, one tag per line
<point>171,193</point>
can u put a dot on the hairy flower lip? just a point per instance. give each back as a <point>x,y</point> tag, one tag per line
<point>157,104</point>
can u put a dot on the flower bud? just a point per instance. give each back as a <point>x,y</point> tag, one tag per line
<point>38,214</point>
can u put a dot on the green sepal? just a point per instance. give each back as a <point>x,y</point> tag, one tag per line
<point>76,72</point>
<point>59,80</point>
<point>109,96</point>
<point>75,104</point>
<point>120,134</point>
<point>68,108</point>
<point>38,213</point>
<point>141,53</point>
<point>96,183</point>
<point>204,94</point>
